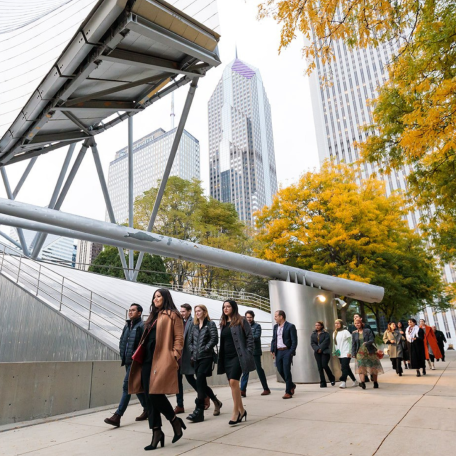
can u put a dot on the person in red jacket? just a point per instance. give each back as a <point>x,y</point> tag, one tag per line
<point>431,347</point>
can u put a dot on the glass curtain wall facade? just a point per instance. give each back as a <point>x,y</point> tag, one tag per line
<point>241,144</point>
<point>341,91</point>
<point>150,155</point>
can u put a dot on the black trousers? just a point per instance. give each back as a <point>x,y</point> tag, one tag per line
<point>283,364</point>
<point>323,366</point>
<point>156,404</point>
<point>261,375</point>
<point>346,369</point>
<point>397,365</point>
<point>201,368</point>
<point>180,395</point>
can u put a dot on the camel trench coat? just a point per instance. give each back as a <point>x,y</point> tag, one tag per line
<point>168,349</point>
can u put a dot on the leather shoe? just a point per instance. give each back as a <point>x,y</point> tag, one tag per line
<point>143,417</point>
<point>178,410</point>
<point>114,420</point>
<point>243,394</point>
<point>207,402</point>
<point>287,396</point>
<point>266,393</point>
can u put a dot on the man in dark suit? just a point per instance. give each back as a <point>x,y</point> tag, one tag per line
<point>283,348</point>
<point>185,363</point>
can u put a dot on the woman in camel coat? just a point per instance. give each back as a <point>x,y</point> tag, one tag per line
<point>156,376</point>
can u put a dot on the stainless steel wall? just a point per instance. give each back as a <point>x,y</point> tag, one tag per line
<point>303,309</point>
<point>31,330</point>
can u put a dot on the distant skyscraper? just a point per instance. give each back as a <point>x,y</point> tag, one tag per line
<point>85,254</point>
<point>241,144</point>
<point>150,155</point>
<point>341,90</point>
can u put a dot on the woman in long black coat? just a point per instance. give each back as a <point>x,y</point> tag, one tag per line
<point>415,344</point>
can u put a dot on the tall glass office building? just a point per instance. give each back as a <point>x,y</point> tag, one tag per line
<point>150,155</point>
<point>341,109</point>
<point>241,145</point>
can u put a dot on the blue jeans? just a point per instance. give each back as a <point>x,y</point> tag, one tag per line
<point>126,397</point>
<point>283,364</point>
<point>261,375</point>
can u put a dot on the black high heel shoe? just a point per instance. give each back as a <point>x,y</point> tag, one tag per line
<point>231,422</point>
<point>243,417</point>
<point>177,425</point>
<point>157,437</point>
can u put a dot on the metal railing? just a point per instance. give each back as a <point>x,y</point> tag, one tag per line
<point>241,297</point>
<point>84,306</point>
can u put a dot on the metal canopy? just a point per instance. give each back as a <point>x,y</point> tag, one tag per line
<point>125,56</point>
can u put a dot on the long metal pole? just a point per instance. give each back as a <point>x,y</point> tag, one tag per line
<point>130,193</point>
<point>169,165</point>
<point>104,189</point>
<point>66,187</point>
<point>9,193</point>
<point>10,239</point>
<point>58,186</point>
<point>177,248</point>
<point>24,176</point>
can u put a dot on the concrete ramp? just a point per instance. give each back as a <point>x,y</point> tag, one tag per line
<point>72,314</point>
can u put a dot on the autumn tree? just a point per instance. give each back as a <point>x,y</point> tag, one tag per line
<point>333,223</point>
<point>415,112</point>
<point>108,263</point>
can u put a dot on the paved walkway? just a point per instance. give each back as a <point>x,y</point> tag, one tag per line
<point>406,415</point>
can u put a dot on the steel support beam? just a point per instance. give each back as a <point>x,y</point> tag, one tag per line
<point>177,248</point>
<point>9,194</point>
<point>104,189</point>
<point>8,238</point>
<point>131,257</point>
<point>58,197</point>
<point>169,165</point>
<point>24,176</point>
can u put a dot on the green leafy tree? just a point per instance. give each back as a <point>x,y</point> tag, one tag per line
<point>152,268</point>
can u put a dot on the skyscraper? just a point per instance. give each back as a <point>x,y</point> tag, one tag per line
<point>341,90</point>
<point>241,145</point>
<point>150,155</point>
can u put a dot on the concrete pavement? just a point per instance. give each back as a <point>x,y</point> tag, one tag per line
<point>408,415</point>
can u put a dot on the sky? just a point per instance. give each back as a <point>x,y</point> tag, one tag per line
<point>27,54</point>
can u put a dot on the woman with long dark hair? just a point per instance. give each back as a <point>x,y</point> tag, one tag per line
<point>236,354</point>
<point>415,344</point>
<point>156,373</point>
<point>202,340</point>
<point>406,358</point>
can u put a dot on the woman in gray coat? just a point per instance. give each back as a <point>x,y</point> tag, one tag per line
<point>393,338</point>
<point>236,354</point>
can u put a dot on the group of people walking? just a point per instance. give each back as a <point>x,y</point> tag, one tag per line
<point>171,344</point>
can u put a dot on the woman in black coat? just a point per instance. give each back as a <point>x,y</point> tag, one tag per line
<point>320,341</point>
<point>401,328</point>
<point>415,344</point>
<point>236,354</point>
<point>202,340</point>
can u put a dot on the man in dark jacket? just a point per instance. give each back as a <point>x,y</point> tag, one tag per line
<point>185,363</point>
<point>441,339</point>
<point>257,353</point>
<point>283,348</point>
<point>128,343</point>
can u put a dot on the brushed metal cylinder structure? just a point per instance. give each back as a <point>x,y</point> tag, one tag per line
<point>303,307</point>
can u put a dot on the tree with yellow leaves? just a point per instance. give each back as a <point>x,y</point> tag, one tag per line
<point>415,112</point>
<point>328,223</point>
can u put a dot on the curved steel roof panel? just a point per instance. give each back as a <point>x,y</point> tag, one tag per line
<point>125,55</point>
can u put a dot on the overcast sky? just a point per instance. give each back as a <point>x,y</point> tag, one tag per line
<point>283,76</point>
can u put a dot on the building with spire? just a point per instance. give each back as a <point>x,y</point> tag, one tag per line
<point>241,144</point>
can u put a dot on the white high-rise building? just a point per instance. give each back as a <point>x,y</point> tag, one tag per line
<point>150,155</point>
<point>241,145</point>
<point>341,90</point>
